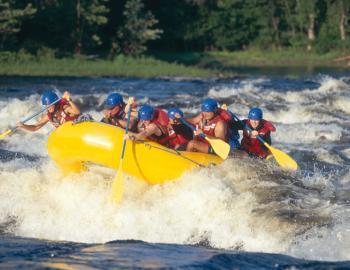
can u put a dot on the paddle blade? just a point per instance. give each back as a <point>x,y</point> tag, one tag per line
<point>118,186</point>
<point>3,135</point>
<point>284,160</point>
<point>221,148</point>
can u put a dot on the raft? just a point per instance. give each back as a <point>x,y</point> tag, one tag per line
<point>73,146</point>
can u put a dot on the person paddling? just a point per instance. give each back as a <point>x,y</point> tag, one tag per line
<point>178,133</point>
<point>211,123</point>
<point>116,111</point>
<point>152,125</point>
<point>59,113</point>
<point>258,126</point>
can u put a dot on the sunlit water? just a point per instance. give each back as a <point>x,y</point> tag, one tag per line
<point>242,213</point>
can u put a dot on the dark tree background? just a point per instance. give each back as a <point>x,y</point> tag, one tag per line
<point>112,27</point>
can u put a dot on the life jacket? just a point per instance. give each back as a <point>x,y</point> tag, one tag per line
<point>58,116</point>
<point>252,145</point>
<point>208,127</point>
<point>160,117</point>
<point>232,128</point>
<point>177,135</point>
<point>161,120</point>
<point>225,115</point>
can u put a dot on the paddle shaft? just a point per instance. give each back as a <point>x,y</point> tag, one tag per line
<point>39,112</point>
<point>126,132</point>
<point>183,121</point>
<point>35,114</point>
<point>118,182</point>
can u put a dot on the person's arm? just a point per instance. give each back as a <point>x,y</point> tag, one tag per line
<point>150,130</point>
<point>72,109</point>
<point>106,113</point>
<point>194,120</point>
<point>122,123</point>
<point>131,103</point>
<point>267,138</point>
<point>270,126</point>
<point>42,122</point>
<point>220,130</point>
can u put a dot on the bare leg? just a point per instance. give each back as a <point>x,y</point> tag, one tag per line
<point>239,154</point>
<point>197,146</point>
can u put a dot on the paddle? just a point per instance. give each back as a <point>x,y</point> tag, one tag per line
<point>118,182</point>
<point>221,148</point>
<point>8,132</point>
<point>283,159</point>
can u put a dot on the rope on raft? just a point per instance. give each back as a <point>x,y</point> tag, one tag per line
<point>88,118</point>
<point>173,151</point>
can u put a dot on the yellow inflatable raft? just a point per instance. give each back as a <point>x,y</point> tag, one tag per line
<point>70,146</point>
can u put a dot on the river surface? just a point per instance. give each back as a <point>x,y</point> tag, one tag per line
<point>242,214</point>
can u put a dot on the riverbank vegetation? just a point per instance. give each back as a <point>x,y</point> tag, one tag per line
<point>150,38</point>
<point>146,67</point>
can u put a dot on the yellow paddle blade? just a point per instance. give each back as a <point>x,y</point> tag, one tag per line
<point>3,135</point>
<point>284,160</point>
<point>118,185</point>
<point>221,148</point>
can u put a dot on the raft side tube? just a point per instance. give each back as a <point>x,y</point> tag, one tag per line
<point>70,146</point>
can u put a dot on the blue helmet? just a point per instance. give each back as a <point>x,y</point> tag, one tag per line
<point>255,114</point>
<point>173,111</point>
<point>49,97</point>
<point>146,112</point>
<point>113,100</point>
<point>209,105</point>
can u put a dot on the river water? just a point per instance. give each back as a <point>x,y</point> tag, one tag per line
<point>242,214</point>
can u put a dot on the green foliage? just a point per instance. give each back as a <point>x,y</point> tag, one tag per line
<point>45,53</point>
<point>138,28</point>
<point>12,64</point>
<point>90,15</point>
<point>7,57</point>
<point>58,28</point>
<point>11,17</point>
<point>329,35</point>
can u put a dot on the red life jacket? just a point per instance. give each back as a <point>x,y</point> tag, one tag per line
<point>253,145</point>
<point>161,120</point>
<point>173,138</point>
<point>160,117</point>
<point>58,116</point>
<point>209,126</point>
<point>225,115</point>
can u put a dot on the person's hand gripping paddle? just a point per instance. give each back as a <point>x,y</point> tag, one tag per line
<point>12,130</point>
<point>118,182</point>
<point>220,147</point>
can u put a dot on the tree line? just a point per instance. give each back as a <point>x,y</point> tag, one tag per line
<point>111,27</point>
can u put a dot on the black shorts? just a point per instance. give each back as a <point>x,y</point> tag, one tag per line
<point>182,147</point>
<point>211,150</point>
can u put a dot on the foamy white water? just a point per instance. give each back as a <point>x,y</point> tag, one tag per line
<point>241,204</point>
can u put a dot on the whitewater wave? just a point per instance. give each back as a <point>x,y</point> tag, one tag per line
<point>238,205</point>
<point>241,204</point>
